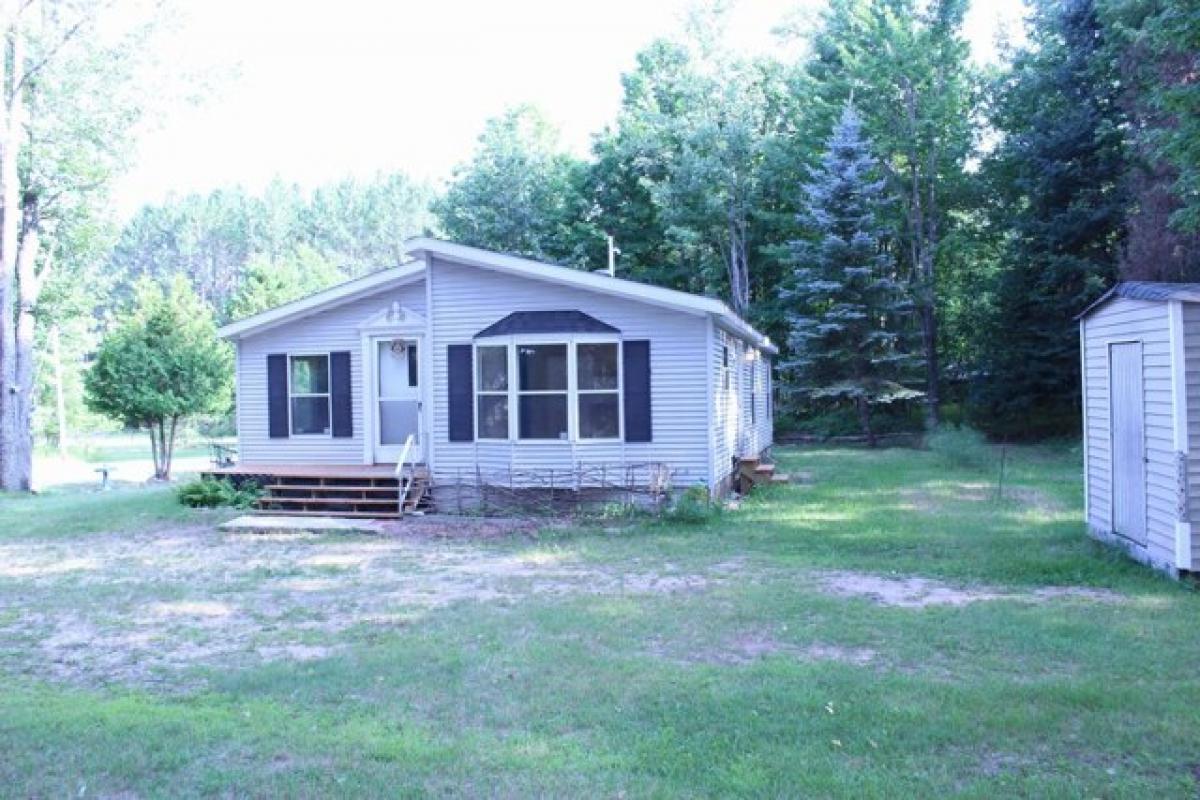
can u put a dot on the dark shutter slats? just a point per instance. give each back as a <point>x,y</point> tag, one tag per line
<point>461,392</point>
<point>277,396</point>
<point>341,402</point>
<point>635,356</point>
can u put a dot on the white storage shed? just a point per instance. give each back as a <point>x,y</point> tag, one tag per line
<point>1140,351</point>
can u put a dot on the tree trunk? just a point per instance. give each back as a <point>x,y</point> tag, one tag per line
<point>60,394</point>
<point>154,455</point>
<point>28,286</point>
<point>10,219</point>
<point>168,448</point>
<point>864,420</point>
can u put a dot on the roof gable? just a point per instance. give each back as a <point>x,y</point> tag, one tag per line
<point>1152,291</point>
<point>422,248</point>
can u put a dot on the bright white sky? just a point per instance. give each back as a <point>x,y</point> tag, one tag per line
<point>313,90</point>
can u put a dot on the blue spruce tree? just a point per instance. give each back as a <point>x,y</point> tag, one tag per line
<point>847,334</point>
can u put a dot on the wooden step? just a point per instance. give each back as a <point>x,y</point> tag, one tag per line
<point>781,478</point>
<point>297,487</point>
<point>764,469</point>
<point>332,501</point>
<point>279,512</point>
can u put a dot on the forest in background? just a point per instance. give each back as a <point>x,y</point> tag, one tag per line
<point>1002,200</point>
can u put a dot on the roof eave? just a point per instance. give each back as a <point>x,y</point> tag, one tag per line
<point>332,297</point>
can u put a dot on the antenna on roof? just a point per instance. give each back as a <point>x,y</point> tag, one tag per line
<point>613,252</point>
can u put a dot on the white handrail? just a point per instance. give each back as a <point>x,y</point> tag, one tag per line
<point>404,485</point>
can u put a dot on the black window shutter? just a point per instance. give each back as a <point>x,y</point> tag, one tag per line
<point>277,396</point>
<point>635,357</point>
<point>461,392</point>
<point>340,400</point>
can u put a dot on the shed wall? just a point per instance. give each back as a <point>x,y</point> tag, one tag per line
<point>1191,349</point>
<point>1125,320</point>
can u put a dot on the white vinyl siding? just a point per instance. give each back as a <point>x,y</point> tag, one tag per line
<point>735,430</point>
<point>467,299</point>
<point>1127,320</point>
<point>332,330</point>
<point>1191,349</point>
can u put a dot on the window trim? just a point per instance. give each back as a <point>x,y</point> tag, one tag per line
<point>572,392</point>
<point>328,395</point>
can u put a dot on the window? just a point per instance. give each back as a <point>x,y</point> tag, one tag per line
<point>599,389</point>
<point>753,392</point>
<point>308,394</point>
<point>492,396</point>
<point>413,380</point>
<point>725,366</point>
<point>542,391</point>
<point>548,391</point>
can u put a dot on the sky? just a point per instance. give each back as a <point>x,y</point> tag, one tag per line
<point>312,91</point>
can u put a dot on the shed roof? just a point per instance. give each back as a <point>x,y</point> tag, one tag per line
<point>1154,291</point>
<point>546,322</point>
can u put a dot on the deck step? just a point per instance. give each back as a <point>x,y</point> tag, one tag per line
<point>765,469</point>
<point>327,489</point>
<point>332,501</point>
<point>279,512</point>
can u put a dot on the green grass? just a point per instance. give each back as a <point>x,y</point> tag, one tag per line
<point>604,693</point>
<point>74,511</point>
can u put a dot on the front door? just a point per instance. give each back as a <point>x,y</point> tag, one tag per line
<point>397,398</point>
<point>1128,441</point>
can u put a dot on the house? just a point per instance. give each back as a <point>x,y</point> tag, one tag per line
<point>1140,361</point>
<point>503,371</point>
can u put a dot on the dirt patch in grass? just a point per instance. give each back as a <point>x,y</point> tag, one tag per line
<point>749,647</point>
<point>440,526</point>
<point>143,608</point>
<point>933,498</point>
<point>914,592</point>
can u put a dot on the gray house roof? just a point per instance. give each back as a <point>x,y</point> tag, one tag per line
<point>546,322</point>
<point>1154,291</point>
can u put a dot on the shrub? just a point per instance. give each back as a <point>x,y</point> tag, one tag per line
<point>218,492</point>
<point>961,447</point>
<point>692,507</point>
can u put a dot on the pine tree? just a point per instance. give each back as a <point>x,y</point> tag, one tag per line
<point>1058,176</point>
<point>846,335</point>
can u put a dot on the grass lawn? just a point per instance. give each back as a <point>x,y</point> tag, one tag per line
<point>893,629</point>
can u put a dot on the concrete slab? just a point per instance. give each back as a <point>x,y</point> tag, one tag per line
<point>263,523</point>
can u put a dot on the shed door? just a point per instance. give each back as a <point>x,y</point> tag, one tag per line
<point>1128,418</point>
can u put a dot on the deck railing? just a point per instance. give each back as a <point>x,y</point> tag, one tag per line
<point>405,485</point>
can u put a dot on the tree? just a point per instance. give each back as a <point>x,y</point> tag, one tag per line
<point>1153,46</point>
<point>59,148</point>
<point>1058,175</point>
<point>905,64</point>
<point>162,363</point>
<point>520,194</point>
<point>847,340</point>
<point>266,284</point>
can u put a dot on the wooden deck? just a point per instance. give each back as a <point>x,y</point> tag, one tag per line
<point>336,471</point>
<point>333,490</point>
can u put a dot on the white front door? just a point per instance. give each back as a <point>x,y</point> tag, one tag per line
<point>397,397</point>
<point>1127,426</point>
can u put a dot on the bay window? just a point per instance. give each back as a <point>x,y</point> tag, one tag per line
<point>542,391</point>
<point>599,388</point>
<point>531,390</point>
<point>492,394</point>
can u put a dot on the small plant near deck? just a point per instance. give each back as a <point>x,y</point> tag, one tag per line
<point>218,492</point>
<point>693,506</point>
